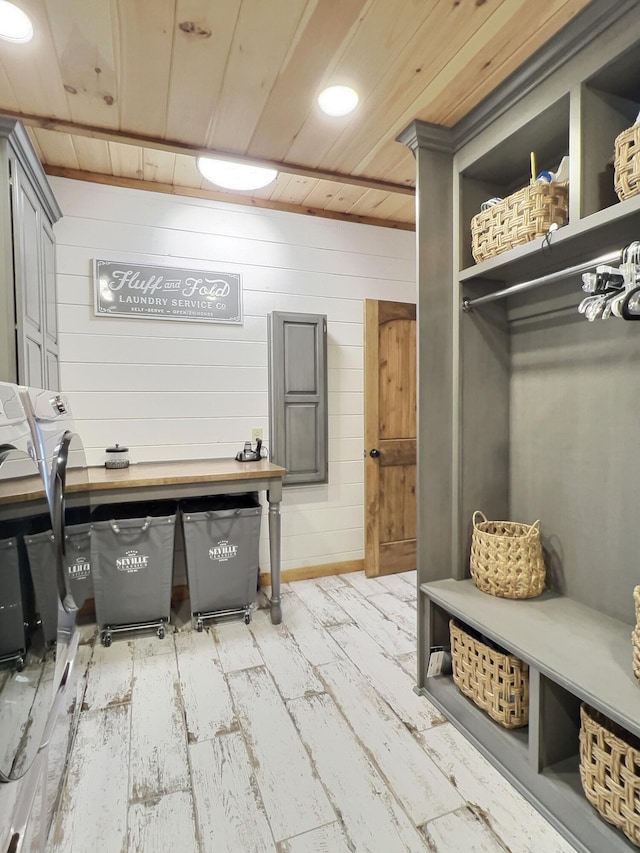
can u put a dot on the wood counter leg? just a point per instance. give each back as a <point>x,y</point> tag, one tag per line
<point>274,554</point>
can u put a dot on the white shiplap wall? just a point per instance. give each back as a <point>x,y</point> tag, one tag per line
<point>173,390</point>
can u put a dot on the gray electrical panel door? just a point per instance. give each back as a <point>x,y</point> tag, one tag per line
<point>298,396</point>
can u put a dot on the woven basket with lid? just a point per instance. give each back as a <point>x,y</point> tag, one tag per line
<point>610,771</point>
<point>506,558</point>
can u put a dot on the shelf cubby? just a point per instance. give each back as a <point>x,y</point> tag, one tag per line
<point>558,724</point>
<point>506,168</point>
<point>610,103</point>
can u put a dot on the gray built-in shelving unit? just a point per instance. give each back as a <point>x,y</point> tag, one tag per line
<point>527,411</point>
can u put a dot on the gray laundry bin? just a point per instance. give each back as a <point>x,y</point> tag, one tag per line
<point>132,566</point>
<point>221,540</point>
<point>77,562</point>
<point>12,617</point>
<point>41,548</point>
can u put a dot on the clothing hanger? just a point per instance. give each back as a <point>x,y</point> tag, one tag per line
<point>614,291</point>
<point>631,301</point>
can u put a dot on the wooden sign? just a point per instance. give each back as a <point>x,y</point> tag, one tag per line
<point>166,293</point>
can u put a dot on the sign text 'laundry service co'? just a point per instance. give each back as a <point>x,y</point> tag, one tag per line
<point>167,293</point>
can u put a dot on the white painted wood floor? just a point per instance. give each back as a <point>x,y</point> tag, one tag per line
<point>301,738</point>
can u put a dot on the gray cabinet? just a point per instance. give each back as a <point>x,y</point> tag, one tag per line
<point>527,411</point>
<point>29,348</point>
<point>298,419</point>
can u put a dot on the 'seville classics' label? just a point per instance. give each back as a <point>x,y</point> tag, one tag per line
<point>223,551</point>
<point>132,561</point>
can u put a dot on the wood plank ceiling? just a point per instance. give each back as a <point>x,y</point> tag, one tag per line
<point>129,91</point>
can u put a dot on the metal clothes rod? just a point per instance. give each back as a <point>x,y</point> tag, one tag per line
<point>469,304</point>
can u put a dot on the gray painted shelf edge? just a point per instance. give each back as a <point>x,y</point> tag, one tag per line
<point>582,650</point>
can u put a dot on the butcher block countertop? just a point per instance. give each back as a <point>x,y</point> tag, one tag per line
<point>176,473</point>
<point>148,474</point>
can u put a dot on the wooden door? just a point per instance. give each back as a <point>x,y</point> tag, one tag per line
<point>390,437</point>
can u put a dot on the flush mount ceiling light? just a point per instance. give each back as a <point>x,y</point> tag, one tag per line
<point>235,176</point>
<point>338,100</point>
<point>14,24</point>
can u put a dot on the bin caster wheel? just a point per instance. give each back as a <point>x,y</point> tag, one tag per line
<point>247,618</point>
<point>161,633</point>
<point>106,640</point>
<point>19,664</point>
<point>199,625</point>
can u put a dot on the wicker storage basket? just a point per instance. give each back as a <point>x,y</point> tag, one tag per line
<point>635,634</point>
<point>626,163</point>
<point>519,218</point>
<point>610,771</point>
<point>496,681</point>
<point>506,558</point>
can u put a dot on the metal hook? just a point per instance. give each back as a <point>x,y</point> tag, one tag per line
<point>546,242</point>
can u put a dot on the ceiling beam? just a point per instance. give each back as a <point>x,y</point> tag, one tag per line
<point>175,147</point>
<point>228,197</point>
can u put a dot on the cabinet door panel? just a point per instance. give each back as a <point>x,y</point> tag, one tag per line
<point>28,209</point>
<point>28,258</point>
<point>49,283</point>
<point>27,250</point>
<point>35,287</point>
<point>53,373</point>
<point>33,374</point>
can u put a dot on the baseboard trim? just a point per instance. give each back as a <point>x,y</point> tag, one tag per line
<point>324,570</point>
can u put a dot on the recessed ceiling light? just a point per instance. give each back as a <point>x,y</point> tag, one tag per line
<point>338,100</point>
<point>235,176</point>
<point>14,24</point>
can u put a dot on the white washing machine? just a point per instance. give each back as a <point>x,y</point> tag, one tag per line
<point>37,631</point>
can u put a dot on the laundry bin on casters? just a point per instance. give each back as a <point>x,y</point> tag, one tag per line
<point>42,554</point>
<point>77,561</point>
<point>76,558</point>
<point>12,628</point>
<point>132,566</point>
<point>221,540</point>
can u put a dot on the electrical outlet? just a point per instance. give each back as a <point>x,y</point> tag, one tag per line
<point>256,434</point>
